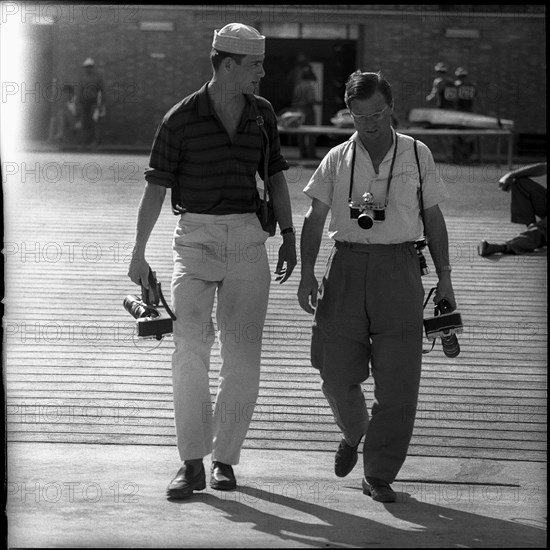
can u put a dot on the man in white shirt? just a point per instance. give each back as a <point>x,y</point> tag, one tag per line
<point>369,307</point>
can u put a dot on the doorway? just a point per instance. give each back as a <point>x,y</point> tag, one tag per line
<point>332,62</point>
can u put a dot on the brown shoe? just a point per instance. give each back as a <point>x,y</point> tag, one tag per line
<point>378,489</point>
<point>222,477</point>
<point>186,481</point>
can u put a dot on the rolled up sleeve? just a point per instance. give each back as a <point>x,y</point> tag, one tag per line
<point>434,190</point>
<point>322,182</point>
<point>276,160</point>
<point>164,157</point>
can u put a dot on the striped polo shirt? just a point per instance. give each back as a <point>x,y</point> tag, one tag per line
<point>193,155</point>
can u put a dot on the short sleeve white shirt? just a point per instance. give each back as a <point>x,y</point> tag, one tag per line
<point>331,185</point>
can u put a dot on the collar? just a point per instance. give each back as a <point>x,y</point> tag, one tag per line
<point>205,107</point>
<point>355,137</point>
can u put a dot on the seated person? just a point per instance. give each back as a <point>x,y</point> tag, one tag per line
<point>528,203</point>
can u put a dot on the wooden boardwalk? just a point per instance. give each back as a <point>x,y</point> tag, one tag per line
<point>74,372</point>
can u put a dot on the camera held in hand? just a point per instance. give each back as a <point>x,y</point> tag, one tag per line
<point>367,211</point>
<point>446,324</point>
<point>150,322</point>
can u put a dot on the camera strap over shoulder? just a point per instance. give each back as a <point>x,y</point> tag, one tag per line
<point>265,143</point>
<point>420,195</point>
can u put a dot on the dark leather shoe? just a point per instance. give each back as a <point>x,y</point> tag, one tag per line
<point>222,477</point>
<point>378,489</point>
<point>186,481</point>
<point>345,459</point>
<point>488,249</point>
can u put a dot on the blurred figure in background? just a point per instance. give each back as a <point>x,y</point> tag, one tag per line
<point>303,99</point>
<point>64,121</point>
<point>443,89</point>
<point>466,91</point>
<point>444,94</point>
<point>90,103</point>
<point>466,97</point>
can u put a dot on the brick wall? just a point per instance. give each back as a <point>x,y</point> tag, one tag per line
<point>146,72</point>
<point>507,62</point>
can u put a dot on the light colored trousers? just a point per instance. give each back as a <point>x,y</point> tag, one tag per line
<point>223,255</point>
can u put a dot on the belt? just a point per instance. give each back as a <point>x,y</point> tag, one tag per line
<point>366,247</point>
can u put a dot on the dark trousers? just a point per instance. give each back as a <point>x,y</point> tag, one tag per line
<point>369,310</point>
<point>528,203</point>
<point>89,126</point>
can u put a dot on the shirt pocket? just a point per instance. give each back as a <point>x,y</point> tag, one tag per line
<point>407,196</point>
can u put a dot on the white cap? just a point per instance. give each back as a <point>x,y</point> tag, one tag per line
<point>240,39</point>
<point>88,62</point>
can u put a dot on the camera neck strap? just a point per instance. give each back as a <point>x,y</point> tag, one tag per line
<point>420,195</point>
<point>390,175</point>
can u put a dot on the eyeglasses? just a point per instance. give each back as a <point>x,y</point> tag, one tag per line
<point>374,116</point>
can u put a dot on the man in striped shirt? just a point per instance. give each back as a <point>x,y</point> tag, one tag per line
<point>207,150</point>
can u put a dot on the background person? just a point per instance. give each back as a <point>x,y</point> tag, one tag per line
<point>466,97</point>
<point>466,91</point>
<point>304,100</point>
<point>90,102</point>
<point>207,150</point>
<point>369,308</point>
<point>528,187</point>
<point>64,118</point>
<point>443,91</point>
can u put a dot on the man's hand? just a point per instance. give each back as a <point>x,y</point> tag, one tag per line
<point>307,293</point>
<point>287,254</point>
<point>139,271</point>
<point>505,182</point>
<point>445,291</point>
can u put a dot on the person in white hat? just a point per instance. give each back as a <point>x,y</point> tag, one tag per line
<point>466,98</point>
<point>90,102</point>
<point>466,91</point>
<point>207,150</point>
<point>443,91</point>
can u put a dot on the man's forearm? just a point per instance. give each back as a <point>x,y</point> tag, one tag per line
<point>281,200</point>
<point>438,239</point>
<point>533,170</point>
<point>310,243</point>
<point>148,213</point>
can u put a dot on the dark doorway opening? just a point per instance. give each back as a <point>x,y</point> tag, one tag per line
<point>332,61</point>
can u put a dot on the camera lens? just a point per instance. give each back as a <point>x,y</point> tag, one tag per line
<point>451,347</point>
<point>137,309</point>
<point>365,221</point>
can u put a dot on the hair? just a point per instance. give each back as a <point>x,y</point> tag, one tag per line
<point>364,85</point>
<point>217,56</point>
